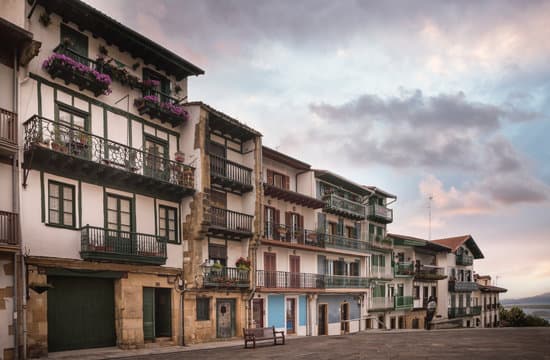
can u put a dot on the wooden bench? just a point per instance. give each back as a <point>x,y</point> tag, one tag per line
<point>263,334</point>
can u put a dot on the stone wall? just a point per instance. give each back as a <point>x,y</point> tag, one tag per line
<point>37,310</point>
<point>419,315</point>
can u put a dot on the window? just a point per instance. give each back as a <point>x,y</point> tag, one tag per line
<point>416,292</point>
<point>168,223</point>
<point>119,213</point>
<point>73,117</point>
<point>425,292</point>
<point>278,180</point>
<point>61,204</point>
<point>350,232</point>
<point>354,268</point>
<point>77,42</point>
<point>332,228</point>
<point>203,308</point>
<point>434,290</point>
<point>73,124</point>
<point>164,86</point>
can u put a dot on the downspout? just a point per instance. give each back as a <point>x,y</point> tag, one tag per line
<point>15,195</point>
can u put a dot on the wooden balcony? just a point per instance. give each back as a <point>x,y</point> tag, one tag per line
<point>8,132</point>
<point>292,196</point>
<point>344,243</point>
<point>231,176</point>
<point>428,272</point>
<point>404,269</point>
<point>159,105</point>
<point>465,260</point>
<point>402,302</point>
<point>226,277</point>
<point>63,150</point>
<point>379,213</point>
<point>289,235</point>
<point>229,224</point>
<point>288,280</point>
<point>9,228</point>
<point>462,286</point>
<point>100,244</point>
<point>343,207</point>
<point>74,68</point>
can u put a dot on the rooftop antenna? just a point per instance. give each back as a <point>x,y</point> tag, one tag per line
<point>430,198</point>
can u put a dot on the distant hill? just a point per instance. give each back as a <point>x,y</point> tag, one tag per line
<point>542,299</point>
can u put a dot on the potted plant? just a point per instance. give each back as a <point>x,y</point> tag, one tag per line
<point>217,267</point>
<point>179,156</point>
<point>243,264</point>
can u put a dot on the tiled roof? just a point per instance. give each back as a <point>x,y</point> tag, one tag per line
<point>491,288</point>
<point>455,242</point>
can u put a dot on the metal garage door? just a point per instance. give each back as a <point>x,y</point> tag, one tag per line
<point>80,313</point>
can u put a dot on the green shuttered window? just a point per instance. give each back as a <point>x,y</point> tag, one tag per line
<point>61,205</point>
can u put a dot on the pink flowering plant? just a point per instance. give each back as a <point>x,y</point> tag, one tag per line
<point>164,106</point>
<point>57,61</point>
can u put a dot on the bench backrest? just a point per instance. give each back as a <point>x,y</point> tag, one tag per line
<point>260,332</point>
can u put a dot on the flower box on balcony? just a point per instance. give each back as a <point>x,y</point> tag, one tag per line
<point>65,67</point>
<point>165,111</point>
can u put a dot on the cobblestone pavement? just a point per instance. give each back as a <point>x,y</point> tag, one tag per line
<point>463,344</point>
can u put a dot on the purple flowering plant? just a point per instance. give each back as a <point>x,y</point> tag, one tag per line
<point>166,106</point>
<point>65,61</point>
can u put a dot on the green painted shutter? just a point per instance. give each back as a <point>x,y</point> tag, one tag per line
<point>148,313</point>
<point>382,260</point>
<point>375,260</point>
<point>322,223</point>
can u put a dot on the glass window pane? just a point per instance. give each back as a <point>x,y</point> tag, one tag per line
<point>68,206</point>
<point>172,214</point>
<point>68,219</point>
<point>111,202</point>
<point>68,193</point>
<point>171,224</point>
<point>112,216</point>
<point>124,228</point>
<point>125,205</point>
<point>54,217</point>
<point>64,116</point>
<point>172,235</point>
<point>54,190</point>
<point>162,232</point>
<point>54,204</point>
<point>112,226</point>
<point>78,121</point>
<point>125,219</point>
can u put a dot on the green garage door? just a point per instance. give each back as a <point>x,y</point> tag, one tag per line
<point>80,313</point>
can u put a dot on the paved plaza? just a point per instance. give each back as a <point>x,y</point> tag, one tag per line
<point>463,344</point>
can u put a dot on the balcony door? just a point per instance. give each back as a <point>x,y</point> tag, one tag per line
<point>270,269</point>
<point>290,315</point>
<point>294,262</point>
<point>271,216</point>
<point>156,164</point>
<point>294,224</point>
<point>218,199</point>
<point>119,224</point>
<point>344,318</point>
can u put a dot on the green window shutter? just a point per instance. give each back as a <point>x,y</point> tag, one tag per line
<point>375,260</point>
<point>322,223</point>
<point>148,313</point>
<point>340,228</point>
<point>382,260</point>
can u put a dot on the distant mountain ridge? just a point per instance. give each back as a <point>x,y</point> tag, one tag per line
<point>542,299</point>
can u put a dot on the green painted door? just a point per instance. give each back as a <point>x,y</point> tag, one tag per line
<point>148,313</point>
<point>81,313</point>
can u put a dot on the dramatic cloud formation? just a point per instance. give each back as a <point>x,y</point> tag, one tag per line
<point>441,99</point>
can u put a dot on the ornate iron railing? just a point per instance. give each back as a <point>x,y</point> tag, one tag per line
<point>230,220</point>
<point>8,126</point>
<point>105,244</point>
<point>341,242</point>
<point>225,277</point>
<point>404,269</point>
<point>9,228</point>
<point>285,233</point>
<point>340,281</point>
<point>284,280</point>
<point>221,167</point>
<point>340,204</point>
<point>462,286</point>
<point>67,51</point>
<point>76,142</point>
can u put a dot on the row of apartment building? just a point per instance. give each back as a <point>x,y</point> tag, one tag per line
<point>130,216</point>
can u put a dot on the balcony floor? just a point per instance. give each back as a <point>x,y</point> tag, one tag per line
<point>42,158</point>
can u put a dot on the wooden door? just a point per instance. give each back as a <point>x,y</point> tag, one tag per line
<point>322,319</point>
<point>258,312</point>
<point>344,318</point>
<point>270,269</point>
<point>291,316</point>
<point>148,313</point>
<point>225,318</point>
<point>294,271</point>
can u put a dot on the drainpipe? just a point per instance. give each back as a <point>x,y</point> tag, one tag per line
<point>15,194</point>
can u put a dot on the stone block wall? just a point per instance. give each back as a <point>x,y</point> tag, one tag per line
<point>37,310</point>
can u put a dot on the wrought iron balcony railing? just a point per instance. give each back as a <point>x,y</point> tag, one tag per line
<point>161,106</point>
<point>344,243</point>
<point>428,272</point>
<point>231,175</point>
<point>344,207</point>
<point>293,235</point>
<point>289,280</point>
<point>228,277</point>
<point>121,246</point>
<point>8,129</point>
<point>9,228</point>
<point>404,269</point>
<point>381,272</point>
<point>44,134</point>
<point>380,241</point>
<point>379,213</point>
<point>230,222</point>
<point>465,260</point>
<point>379,303</point>
<point>341,281</point>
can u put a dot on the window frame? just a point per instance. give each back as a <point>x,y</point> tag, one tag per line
<point>167,208</point>
<point>61,205</point>
<point>119,211</point>
<point>200,316</point>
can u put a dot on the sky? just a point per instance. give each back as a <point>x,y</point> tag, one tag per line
<point>440,99</point>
